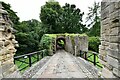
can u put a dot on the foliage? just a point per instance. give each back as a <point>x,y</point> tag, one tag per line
<point>28,36</point>
<point>70,20</point>
<point>12,15</point>
<point>64,19</point>
<point>94,43</point>
<point>61,42</point>
<point>95,30</point>
<point>94,18</point>
<point>49,14</point>
<point>45,43</point>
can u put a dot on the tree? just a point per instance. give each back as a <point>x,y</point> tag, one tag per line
<point>64,19</point>
<point>29,36</point>
<point>49,14</point>
<point>94,18</point>
<point>12,15</point>
<point>28,33</point>
<point>71,19</point>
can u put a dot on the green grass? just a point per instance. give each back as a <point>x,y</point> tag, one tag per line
<point>91,58</point>
<point>18,63</point>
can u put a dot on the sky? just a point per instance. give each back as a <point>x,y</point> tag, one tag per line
<point>30,9</point>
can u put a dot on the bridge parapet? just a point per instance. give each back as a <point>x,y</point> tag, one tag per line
<point>7,46</point>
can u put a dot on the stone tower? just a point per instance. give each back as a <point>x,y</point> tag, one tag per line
<point>110,38</point>
<point>7,46</point>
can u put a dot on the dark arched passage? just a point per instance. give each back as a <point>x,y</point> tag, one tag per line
<point>60,43</point>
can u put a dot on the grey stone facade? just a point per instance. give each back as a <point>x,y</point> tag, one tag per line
<point>110,36</point>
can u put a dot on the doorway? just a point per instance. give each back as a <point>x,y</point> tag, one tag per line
<point>60,43</point>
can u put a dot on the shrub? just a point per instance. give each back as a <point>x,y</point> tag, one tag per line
<point>45,43</point>
<point>94,43</point>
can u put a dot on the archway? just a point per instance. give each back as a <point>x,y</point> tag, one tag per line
<point>60,43</point>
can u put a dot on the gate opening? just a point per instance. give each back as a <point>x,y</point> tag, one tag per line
<point>60,43</point>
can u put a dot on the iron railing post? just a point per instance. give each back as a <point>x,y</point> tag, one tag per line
<point>80,53</point>
<point>85,55</point>
<point>38,58</point>
<point>94,59</point>
<point>30,63</point>
<point>42,53</point>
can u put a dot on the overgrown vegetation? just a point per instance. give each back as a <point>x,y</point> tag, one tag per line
<point>45,43</point>
<point>94,43</point>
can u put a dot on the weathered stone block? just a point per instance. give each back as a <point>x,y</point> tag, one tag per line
<point>0,63</point>
<point>8,61</point>
<point>107,37</point>
<point>1,43</point>
<point>115,15</point>
<point>105,22</point>
<point>115,39</point>
<point>12,69</point>
<point>114,53</point>
<point>115,31</point>
<point>104,43</point>
<point>113,62</point>
<point>1,76</point>
<point>0,70</point>
<point>0,35</point>
<point>106,73</point>
<point>107,32</point>
<point>103,5</point>
<point>6,67</point>
<point>114,46</point>
<point>113,25</point>
<point>101,47</point>
<point>116,72</point>
<point>114,6</point>
<point>15,74</point>
<point>103,52</point>
<point>69,46</point>
<point>83,43</point>
<point>117,5</point>
<point>7,42</point>
<point>105,14</point>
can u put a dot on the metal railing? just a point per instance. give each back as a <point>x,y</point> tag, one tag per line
<point>87,55</point>
<point>28,59</point>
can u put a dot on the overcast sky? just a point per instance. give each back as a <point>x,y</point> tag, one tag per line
<point>30,9</point>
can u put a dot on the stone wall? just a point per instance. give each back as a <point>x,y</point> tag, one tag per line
<point>7,47</point>
<point>76,43</point>
<point>110,37</point>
